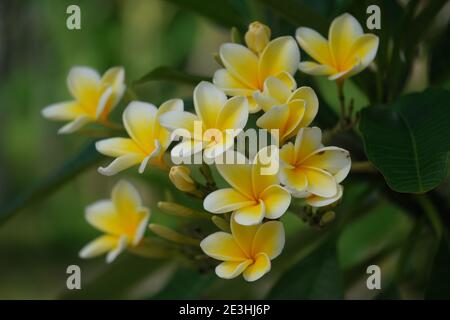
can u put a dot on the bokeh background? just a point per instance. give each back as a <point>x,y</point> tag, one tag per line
<point>39,242</point>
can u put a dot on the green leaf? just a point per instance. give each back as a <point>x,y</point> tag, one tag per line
<point>171,75</point>
<point>186,284</point>
<point>409,141</point>
<point>221,12</point>
<point>298,14</point>
<point>317,276</point>
<point>438,286</point>
<point>87,158</point>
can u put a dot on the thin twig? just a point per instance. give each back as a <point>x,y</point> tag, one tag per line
<point>363,166</point>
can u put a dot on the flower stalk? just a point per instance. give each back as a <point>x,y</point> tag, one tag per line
<point>181,211</point>
<point>172,235</point>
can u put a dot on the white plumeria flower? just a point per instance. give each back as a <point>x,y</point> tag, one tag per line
<point>148,140</point>
<point>246,71</point>
<point>248,249</point>
<point>253,196</point>
<point>287,108</point>
<point>347,51</point>
<point>123,219</point>
<point>312,171</point>
<point>217,122</point>
<point>95,97</point>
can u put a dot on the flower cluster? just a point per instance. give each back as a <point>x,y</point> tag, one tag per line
<point>257,77</point>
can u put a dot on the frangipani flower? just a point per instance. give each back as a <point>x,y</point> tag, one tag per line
<point>217,122</point>
<point>94,96</point>
<point>248,249</point>
<point>286,108</point>
<point>123,219</point>
<point>254,194</point>
<point>347,51</point>
<point>246,71</point>
<point>310,170</point>
<point>147,142</point>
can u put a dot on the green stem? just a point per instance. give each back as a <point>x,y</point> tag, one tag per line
<point>341,96</point>
<point>206,172</point>
<point>407,249</point>
<point>432,214</point>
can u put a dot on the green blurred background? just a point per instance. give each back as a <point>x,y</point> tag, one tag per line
<point>38,243</point>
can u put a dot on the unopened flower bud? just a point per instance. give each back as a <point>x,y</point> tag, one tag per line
<point>221,223</point>
<point>171,235</point>
<point>257,36</point>
<point>326,218</point>
<point>178,210</point>
<point>180,177</point>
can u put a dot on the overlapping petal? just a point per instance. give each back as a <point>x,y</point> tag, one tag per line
<point>315,45</point>
<point>260,266</point>
<point>310,170</point>
<point>232,269</point>
<point>222,246</point>
<point>103,216</point>
<point>276,201</point>
<point>281,54</point>
<point>269,239</point>
<point>139,120</point>
<point>250,215</point>
<point>343,33</point>
<point>83,84</point>
<point>226,200</point>
<point>331,159</point>
<point>318,201</point>
<point>241,63</point>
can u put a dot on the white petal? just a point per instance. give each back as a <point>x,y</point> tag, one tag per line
<point>316,69</point>
<point>231,269</point>
<point>121,163</point>
<point>260,267</point>
<point>208,101</point>
<point>222,246</point>
<point>281,54</point>
<point>241,63</point>
<point>69,110</point>
<point>344,31</point>
<point>269,239</point>
<point>171,105</point>
<point>98,246</point>
<point>276,201</point>
<point>75,125</point>
<point>250,215</point>
<point>315,45</point>
<point>139,120</point>
<point>230,85</point>
<point>112,255</point>
<point>317,201</point>
<point>81,81</point>
<point>225,200</point>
